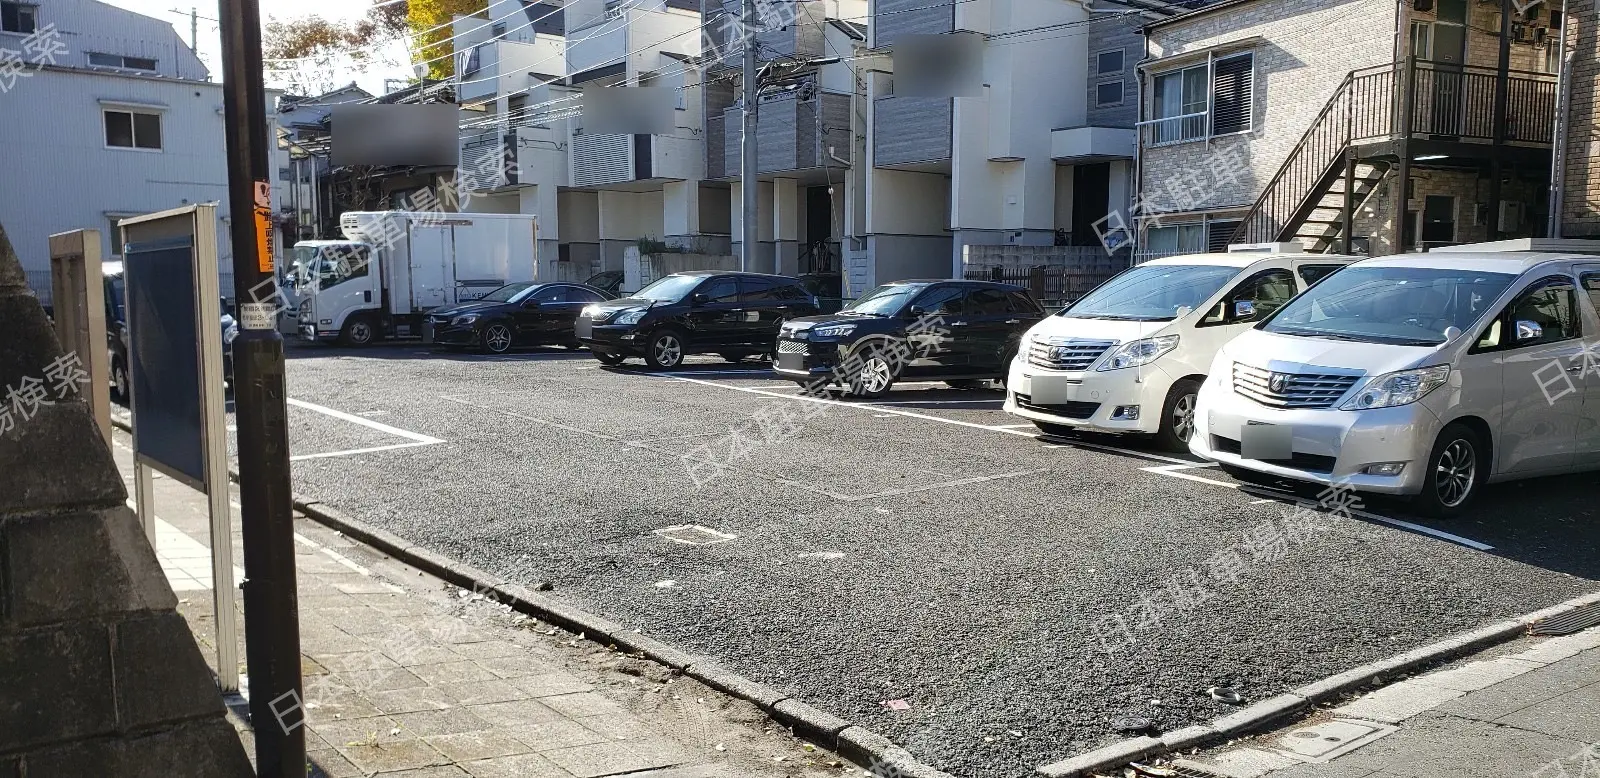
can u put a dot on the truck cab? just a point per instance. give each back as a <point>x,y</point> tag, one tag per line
<point>341,296</point>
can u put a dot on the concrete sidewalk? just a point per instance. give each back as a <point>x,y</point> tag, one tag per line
<point>1529,708</point>
<point>406,675</point>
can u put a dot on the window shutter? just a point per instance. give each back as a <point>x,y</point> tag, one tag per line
<point>1219,234</point>
<point>1233,94</point>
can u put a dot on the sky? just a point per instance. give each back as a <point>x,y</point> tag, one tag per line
<point>211,45</point>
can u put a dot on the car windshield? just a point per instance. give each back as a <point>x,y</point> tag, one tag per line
<point>1408,306</point>
<point>886,300</point>
<point>506,294</point>
<point>1152,293</point>
<point>670,289</point>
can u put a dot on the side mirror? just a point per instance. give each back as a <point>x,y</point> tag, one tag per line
<point>530,303</point>
<point>699,298</point>
<point>1529,330</point>
<point>916,312</point>
<point>1243,310</point>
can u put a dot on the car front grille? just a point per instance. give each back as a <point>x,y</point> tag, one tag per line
<point>793,347</point>
<point>1070,410</point>
<point>1290,390</point>
<point>1066,353</point>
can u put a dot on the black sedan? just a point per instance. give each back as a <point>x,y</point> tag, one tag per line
<point>521,314</point>
<point>735,315</point>
<point>960,332</point>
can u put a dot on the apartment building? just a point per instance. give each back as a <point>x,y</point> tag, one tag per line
<point>1035,158</point>
<point>810,110</point>
<point>1577,188</point>
<point>106,114</point>
<point>1366,125</point>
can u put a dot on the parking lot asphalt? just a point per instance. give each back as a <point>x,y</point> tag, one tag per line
<point>1024,596</point>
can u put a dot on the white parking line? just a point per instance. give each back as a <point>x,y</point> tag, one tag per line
<point>354,419</point>
<point>938,402</point>
<point>354,451</point>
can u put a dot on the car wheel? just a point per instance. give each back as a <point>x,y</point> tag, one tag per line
<point>608,357</point>
<point>1456,470</point>
<point>875,376</point>
<point>358,331</point>
<point>666,350</point>
<point>1057,430</point>
<point>496,338</point>
<point>1177,416</point>
<point>968,383</point>
<point>119,381</point>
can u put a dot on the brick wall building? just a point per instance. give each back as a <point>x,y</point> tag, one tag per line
<point>1580,210</point>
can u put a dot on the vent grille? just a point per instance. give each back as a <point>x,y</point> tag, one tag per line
<point>793,347</point>
<point>1290,390</point>
<point>601,159</point>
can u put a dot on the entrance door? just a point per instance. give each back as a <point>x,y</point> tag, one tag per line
<point>819,231</point>
<point>1091,201</point>
<point>1438,221</point>
<point>1449,53</point>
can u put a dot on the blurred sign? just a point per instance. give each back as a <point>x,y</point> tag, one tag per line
<point>630,110</point>
<point>939,65</point>
<point>395,135</point>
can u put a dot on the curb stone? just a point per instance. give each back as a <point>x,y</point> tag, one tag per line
<point>1267,711</point>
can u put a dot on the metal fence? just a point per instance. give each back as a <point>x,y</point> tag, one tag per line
<point>1054,287</point>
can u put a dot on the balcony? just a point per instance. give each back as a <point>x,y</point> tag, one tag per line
<point>500,66</point>
<point>499,159</point>
<point>604,160</point>
<point>791,134</point>
<point>911,130</point>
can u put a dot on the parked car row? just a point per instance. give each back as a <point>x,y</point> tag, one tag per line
<point>1425,376</point>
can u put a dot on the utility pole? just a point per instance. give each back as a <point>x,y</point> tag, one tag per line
<point>748,231</point>
<point>271,610</point>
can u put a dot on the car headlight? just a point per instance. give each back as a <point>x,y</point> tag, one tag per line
<point>833,330</point>
<point>1139,352</point>
<point>590,311</point>
<point>229,334</point>
<point>465,318</point>
<point>633,316</point>
<point>1400,388</point>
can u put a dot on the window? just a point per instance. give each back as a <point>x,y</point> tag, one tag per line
<point>585,296</point>
<point>19,18</point>
<point>498,30</point>
<point>941,301</point>
<point>1233,106</point>
<point>988,302</point>
<point>720,290</point>
<point>1422,40</point>
<point>1022,302</point>
<point>756,290</point>
<point>133,130</point>
<point>341,265</point>
<point>792,293</point>
<point>1591,283</point>
<point>1176,239</point>
<point>474,57</point>
<point>97,59</point>
<point>1108,94</point>
<point>1551,307</point>
<point>1314,273</point>
<point>1552,56</point>
<point>1266,292</point>
<point>1183,98</point>
<point>551,294</point>
<point>1219,235</point>
<point>1108,62</point>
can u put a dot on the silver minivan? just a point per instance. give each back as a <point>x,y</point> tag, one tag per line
<point>1422,375</point>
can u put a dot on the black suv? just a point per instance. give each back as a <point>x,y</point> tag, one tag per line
<point>960,332</point>
<point>735,315</point>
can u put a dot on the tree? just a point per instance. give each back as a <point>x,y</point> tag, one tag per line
<point>307,54</point>
<point>434,44</point>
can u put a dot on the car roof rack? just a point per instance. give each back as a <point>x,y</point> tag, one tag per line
<point>1542,245</point>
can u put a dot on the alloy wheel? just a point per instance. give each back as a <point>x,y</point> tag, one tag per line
<point>876,375</point>
<point>497,338</point>
<point>119,381</point>
<point>1183,417</point>
<point>669,351</point>
<point>1455,472</point>
<point>360,333</point>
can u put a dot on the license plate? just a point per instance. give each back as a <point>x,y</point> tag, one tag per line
<point>1266,441</point>
<point>1046,391</point>
<point>427,332</point>
<point>792,361</point>
<point>584,327</point>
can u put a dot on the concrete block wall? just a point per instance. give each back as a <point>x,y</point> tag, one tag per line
<point>1306,48</point>
<point>1580,211</point>
<point>99,675</point>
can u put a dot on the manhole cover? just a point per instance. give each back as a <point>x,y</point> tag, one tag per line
<point>1329,739</point>
<point>694,534</point>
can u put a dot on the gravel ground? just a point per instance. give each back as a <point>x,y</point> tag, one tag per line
<point>882,555</point>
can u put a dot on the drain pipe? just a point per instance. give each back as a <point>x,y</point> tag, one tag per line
<point>1558,152</point>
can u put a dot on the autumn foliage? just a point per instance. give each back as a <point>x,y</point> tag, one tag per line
<point>433,44</point>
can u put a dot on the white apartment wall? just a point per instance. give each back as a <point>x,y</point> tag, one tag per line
<point>86,26</point>
<point>61,176</point>
<point>630,215</point>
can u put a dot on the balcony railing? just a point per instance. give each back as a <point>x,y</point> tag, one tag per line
<point>1413,99</point>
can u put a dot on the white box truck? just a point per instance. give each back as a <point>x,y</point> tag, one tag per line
<point>395,266</point>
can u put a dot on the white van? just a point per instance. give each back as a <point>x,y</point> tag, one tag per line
<point>1424,375</point>
<point>1131,355</point>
